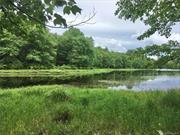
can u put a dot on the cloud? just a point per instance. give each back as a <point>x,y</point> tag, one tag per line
<point>114,33</point>
<point>157,39</point>
<point>110,43</point>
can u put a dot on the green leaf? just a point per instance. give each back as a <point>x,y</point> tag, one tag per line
<point>71,2</point>
<point>67,10</point>
<point>60,3</point>
<point>59,20</point>
<point>50,9</point>
<point>75,9</point>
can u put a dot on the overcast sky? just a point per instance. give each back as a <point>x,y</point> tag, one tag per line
<point>114,33</point>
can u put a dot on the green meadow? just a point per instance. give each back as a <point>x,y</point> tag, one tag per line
<point>67,110</point>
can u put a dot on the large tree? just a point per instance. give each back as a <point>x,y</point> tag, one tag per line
<point>75,49</point>
<point>10,46</point>
<point>36,49</point>
<point>159,15</point>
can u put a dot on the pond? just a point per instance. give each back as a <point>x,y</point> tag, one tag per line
<point>124,80</point>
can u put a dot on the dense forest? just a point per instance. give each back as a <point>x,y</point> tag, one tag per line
<point>37,48</point>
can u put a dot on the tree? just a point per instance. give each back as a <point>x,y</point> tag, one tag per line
<point>40,49</point>
<point>28,45</point>
<point>36,48</point>
<point>168,54</point>
<point>75,49</point>
<point>139,59</point>
<point>160,15</point>
<point>122,60</point>
<point>10,46</point>
<point>103,58</point>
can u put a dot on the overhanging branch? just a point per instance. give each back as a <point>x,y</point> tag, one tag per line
<point>70,24</point>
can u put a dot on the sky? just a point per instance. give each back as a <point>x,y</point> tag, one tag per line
<point>108,31</point>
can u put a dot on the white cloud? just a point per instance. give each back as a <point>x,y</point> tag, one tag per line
<point>110,43</point>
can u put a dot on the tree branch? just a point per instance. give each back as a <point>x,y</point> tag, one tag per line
<point>84,21</point>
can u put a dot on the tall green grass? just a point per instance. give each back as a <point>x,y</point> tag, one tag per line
<point>65,110</point>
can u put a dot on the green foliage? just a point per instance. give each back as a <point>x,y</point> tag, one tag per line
<point>103,58</point>
<point>131,59</point>
<point>24,40</point>
<point>27,46</point>
<point>45,11</point>
<point>168,54</point>
<point>75,49</point>
<point>160,15</point>
<point>36,48</point>
<point>40,50</point>
<point>9,50</point>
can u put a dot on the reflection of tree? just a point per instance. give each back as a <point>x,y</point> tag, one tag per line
<point>124,78</point>
<point>129,86</point>
<point>110,79</point>
<point>11,82</point>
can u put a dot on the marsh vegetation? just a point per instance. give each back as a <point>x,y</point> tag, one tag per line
<point>66,110</point>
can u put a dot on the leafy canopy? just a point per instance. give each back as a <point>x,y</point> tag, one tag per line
<point>160,15</point>
<point>39,11</point>
<point>75,49</point>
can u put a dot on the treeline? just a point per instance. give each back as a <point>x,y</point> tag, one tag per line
<point>165,56</point>
<point>37,48</point>
<point>76,50</point>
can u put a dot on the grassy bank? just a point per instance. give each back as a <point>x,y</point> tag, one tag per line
<point>56,72</point>
<point>65,110</point>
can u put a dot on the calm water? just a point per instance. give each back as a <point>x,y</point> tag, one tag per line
<point>137,80</point>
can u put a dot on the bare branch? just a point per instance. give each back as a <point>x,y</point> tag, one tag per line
<point>85,20</point>
<point>70,22</point>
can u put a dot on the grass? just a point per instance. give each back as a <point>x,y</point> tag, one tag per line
<point>66,110</point>
<point>67,73</point>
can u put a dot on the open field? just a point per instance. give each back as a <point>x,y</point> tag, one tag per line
<point>66,110</point>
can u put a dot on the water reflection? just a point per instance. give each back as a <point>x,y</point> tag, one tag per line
<point>159,83</point>
<point>137,80</point>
